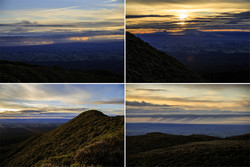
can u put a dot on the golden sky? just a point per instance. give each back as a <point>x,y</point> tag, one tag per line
<point>60,20</point>
<point>46,101</point>
<point>176,15</point>
<point>196,104</point>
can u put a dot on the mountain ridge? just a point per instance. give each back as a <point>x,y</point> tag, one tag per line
<point>66,144</point>
<point>160,149</point>
<point>147,64</point>
<point>16,71</point>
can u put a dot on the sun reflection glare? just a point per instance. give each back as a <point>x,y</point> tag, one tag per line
<point>183,16</point>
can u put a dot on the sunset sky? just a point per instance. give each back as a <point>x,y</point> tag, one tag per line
<point>191,104</point>
<point>19,101</point>
<point>53,21</point>
<point>150,16</point>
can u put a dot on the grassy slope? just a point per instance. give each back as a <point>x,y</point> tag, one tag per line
<point>23,72</point>
<point>147,64</point>
<point>157,149</point>
<point>61,145</point>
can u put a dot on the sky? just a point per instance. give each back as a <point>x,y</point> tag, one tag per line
<point>54,21</point>
<point>149,16</point>
<point>188,104</point>
<point>59,101</point>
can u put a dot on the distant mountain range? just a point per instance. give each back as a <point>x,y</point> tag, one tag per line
<point>147,64</point>
<point>15,71</point>
<point>90,139</point>
<point>159,149</point>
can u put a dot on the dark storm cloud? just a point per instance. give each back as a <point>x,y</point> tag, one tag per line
<point>142,16</point>
<point>143,104</point>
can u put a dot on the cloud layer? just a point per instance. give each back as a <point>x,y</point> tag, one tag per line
<point>177,15</point>
<point>61,100</point>
<point>48,19</point>
<point>198,104</point>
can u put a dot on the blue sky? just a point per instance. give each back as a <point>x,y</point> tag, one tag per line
<point>72,19</point>
<point>59,100</point>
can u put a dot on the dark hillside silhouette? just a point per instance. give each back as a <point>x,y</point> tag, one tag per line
<point>14,71</point>
<point>147,64</point>
<point>159,149</point>
<point>91,138</point>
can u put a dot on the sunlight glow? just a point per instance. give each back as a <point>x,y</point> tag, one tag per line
<point>182,16</point>
<point>7,109</point>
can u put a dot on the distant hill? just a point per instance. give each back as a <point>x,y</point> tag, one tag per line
<point>158,149</point>
<point>91,139</point>
<point>14,71</point>
<point>147,64</point>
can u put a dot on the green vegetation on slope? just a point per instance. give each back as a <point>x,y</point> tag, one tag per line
<point>22,72</point>
<point>147,64</point>
<point>67,144</point>
<point>158,149</point>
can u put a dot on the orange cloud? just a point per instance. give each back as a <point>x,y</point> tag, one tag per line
<point>37,42</point>
<point>79,38</point>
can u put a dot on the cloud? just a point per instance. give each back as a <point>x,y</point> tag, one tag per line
<point>26,22</point>
<point>178,99</point>
<point>187,118</point>
<point>110,1</point>
<point>143,16</point>
<point>25,35</point>
<point>86,24</point>
<point>154,2</point>
<point>30,111</point>
<point>39,100</point>
<point>37,115</point>
<point>220,21</point>
<point>153,90</point>
<point>143,104</point>
<point>244,104</point>
<point>113,101</point>
<point>62,93</point>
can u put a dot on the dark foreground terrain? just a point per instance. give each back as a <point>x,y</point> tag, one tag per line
<point>220,57</point>
<point>14,71</point>
<point>159,149</point>
<point>90,139</point>
<point>147,64</point>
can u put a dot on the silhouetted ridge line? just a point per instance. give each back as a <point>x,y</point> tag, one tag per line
<point>160,149</point>
<point>15,71</point>
<point>147,64</point>
<point>90,139</point>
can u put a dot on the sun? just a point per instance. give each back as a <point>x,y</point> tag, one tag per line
<point>182,16</point>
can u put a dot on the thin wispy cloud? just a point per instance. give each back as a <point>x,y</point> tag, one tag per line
<point>47,18</point>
